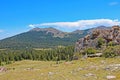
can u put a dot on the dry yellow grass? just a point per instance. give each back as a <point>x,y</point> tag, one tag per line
<point>89,69</point>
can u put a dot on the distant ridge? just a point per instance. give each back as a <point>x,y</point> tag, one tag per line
<point>43,38</point>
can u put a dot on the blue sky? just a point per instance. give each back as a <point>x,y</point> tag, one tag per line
<point>17,16</point>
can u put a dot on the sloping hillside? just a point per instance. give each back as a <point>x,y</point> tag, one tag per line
<point>42,38</point>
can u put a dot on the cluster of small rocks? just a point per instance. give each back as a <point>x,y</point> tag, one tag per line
<point>112,67</point>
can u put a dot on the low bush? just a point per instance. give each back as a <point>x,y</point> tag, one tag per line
<point>111,51</point>
<point>90,51</point>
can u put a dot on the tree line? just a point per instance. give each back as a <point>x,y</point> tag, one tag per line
<point>61,53</point>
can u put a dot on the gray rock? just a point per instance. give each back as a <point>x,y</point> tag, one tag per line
<point>50,73</point>
<point>89,74</point>
<point>110,77</point>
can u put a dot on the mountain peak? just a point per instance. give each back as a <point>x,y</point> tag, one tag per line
<point>55,32</point>
<point>102,27</point>
<point>35,29</point>
<point>44,29</point>
<point>78,31</point>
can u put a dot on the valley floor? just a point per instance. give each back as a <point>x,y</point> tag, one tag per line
<point>89,69</point>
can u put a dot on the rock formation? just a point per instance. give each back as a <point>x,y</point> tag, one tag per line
<point>91,40</point>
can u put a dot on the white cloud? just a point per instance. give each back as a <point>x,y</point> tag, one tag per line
<point>31,26</point>
<point>80,24</point>
<point>1,31</point>
<point>113,3</point>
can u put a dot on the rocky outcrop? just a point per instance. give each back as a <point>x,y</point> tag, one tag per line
<point>107,35</point>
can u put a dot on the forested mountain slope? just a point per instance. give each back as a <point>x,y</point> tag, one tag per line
<point>43,38</point>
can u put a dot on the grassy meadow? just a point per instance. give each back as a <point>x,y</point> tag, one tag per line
<point>83,69</point>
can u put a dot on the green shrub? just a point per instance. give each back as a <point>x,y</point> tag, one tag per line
<point>111,43</point>
<point>90,51</point>
<point>100,42</point>
<point>111,51</point>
